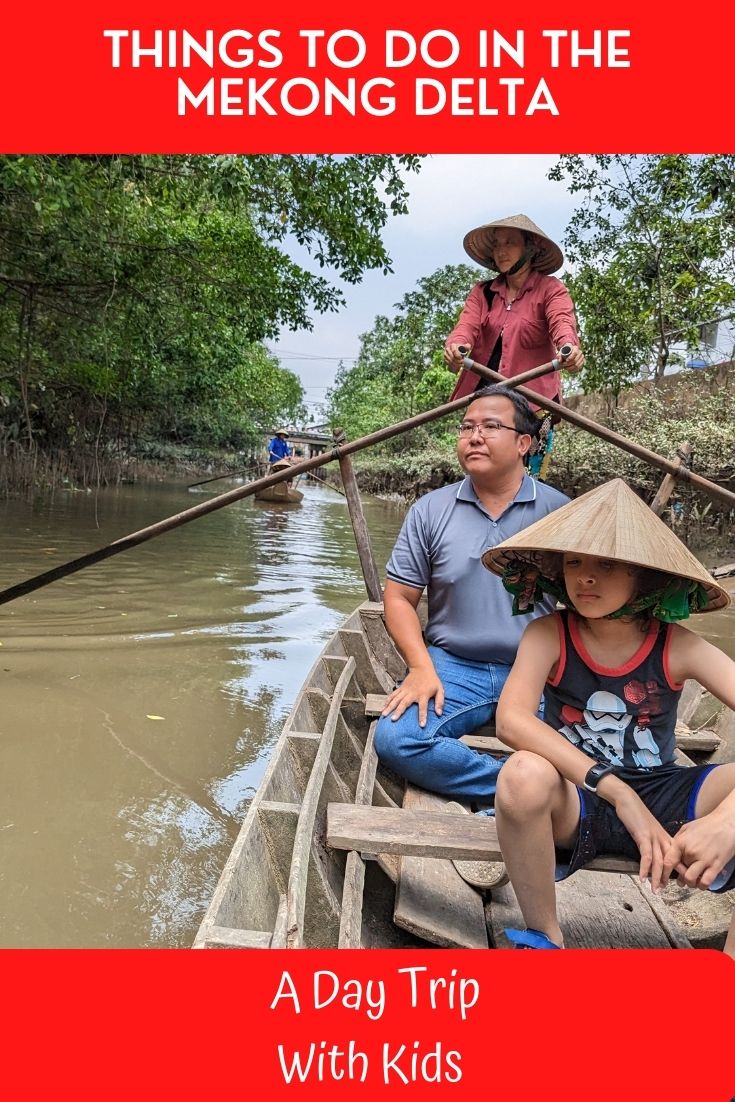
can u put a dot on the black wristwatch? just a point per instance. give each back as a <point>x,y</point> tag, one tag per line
<point>595,775</point>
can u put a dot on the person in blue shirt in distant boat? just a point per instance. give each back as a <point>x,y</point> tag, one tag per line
<point>279,447</point>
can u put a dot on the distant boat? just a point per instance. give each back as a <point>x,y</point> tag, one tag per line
<point>282,493</point>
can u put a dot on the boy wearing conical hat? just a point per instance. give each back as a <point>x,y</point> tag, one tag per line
<point>598,775</point>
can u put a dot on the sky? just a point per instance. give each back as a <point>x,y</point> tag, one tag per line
<point>449,196</point>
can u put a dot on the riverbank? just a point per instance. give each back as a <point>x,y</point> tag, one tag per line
<point>24,473</point>
<point>693,408</point>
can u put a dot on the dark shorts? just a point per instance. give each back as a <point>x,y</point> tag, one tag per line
<point>670,794</point>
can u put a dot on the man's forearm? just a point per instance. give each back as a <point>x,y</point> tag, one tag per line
<point>404,626</point>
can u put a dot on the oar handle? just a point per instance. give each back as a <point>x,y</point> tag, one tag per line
<point>526,376</point>
<point>564,351</point>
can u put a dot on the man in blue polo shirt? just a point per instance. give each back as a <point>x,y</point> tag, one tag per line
<point>458,666</point>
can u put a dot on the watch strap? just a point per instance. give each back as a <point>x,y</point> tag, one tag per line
<point>595,775</point>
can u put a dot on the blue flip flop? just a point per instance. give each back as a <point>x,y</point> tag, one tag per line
<point>530,939</point>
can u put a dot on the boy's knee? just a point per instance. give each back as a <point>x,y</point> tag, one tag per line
<point>525,784</point>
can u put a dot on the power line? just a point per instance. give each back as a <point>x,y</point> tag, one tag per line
<point>286,355</point>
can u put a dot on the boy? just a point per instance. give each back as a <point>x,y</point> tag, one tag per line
<point>598,775</point>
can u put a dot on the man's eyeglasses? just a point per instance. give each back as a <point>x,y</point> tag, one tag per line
<point>485,428</point>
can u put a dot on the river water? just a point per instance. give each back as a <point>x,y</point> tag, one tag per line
<point>142,696</point>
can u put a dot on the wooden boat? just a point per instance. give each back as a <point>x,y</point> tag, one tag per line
<point>281,884</point>
<point>282,493</point>
<point>335,852</point>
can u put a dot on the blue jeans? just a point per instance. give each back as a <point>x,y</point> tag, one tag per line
<point>432,757</point>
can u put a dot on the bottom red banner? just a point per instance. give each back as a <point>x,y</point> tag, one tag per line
<point>655,1025</point>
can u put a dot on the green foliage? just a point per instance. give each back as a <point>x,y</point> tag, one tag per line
<point>653,245</point>
<point>581,461</point>
<point>424,463</point>
<point>135,291</point>
<point>400,370</point>
<point>232,406</point>
<point>688,411</point>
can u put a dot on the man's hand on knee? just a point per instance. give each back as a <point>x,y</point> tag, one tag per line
<point>420,685</point>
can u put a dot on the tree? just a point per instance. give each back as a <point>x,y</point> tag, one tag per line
<point>400,369</point>
<point>135,291</point>
<point>653,247</point>
<point>233,406</point>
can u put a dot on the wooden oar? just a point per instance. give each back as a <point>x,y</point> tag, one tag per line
<point>221,500</point>
<point>325,483</point>
<point>217,477</point>
<point>670,466</point>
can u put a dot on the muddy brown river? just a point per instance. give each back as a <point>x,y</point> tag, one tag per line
<point>141,697</point>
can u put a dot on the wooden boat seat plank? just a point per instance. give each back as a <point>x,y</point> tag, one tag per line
<point>697,742</point>
<point>487,743</point>
<point>432,899</point>
<point>222,937</point>
<point>427,834</point>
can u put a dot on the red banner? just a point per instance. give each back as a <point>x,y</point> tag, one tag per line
<point>182,77</point>
<point>573,1026</point>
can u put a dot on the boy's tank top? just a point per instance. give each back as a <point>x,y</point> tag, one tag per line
<point>624,717</point>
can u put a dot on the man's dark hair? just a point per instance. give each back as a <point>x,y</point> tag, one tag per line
<point>524,419</point>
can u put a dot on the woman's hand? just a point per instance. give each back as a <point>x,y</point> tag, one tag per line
<point>700,850</point>
<point>653,841</point>
<point>454,355</point>
<point>574,361</point>
<point>420,685</point>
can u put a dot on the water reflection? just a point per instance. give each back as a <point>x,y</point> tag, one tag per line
<point>142,697</point>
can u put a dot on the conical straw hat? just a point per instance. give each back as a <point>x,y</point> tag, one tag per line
<point>610,522</point>
<point>478,243</point>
